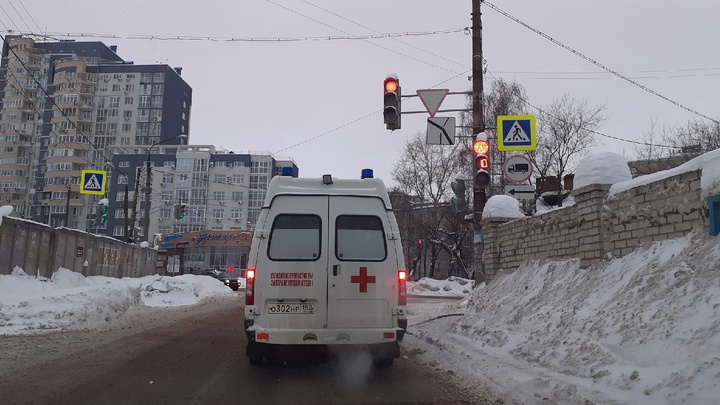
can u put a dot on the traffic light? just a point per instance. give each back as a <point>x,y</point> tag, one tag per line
<point>392,99</point>
<point>102,210</point>
<point>459,203</point>
<point>481,148</point>
<point>180,210</point>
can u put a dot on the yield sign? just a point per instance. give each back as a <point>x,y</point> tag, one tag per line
<point>432,98</point>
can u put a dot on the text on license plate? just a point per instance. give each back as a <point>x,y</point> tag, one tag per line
<point>276,308</point>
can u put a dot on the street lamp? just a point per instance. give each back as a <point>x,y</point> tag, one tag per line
<point>148,188</point>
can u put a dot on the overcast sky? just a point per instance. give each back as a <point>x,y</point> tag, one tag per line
<point>281,97</point>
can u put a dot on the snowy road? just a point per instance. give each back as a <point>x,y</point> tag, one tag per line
<point>194,355</point>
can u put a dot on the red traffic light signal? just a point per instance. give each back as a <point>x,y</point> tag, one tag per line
<point>391,100</point>
<point>391,84</point>
<point>481,147</point>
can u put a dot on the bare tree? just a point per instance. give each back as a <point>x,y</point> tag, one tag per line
<point>565,134</point>
<point>425,172</point>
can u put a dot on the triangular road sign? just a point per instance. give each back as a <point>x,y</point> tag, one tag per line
<point>516,134</point>
<point>432,98</point>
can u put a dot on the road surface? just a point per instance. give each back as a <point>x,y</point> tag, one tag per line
<point>195,355</point>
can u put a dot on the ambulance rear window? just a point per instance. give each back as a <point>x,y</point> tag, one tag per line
<point>295,237</point>
<point>360,238</point>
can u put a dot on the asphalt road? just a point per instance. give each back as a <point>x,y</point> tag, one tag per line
<point>198,358</point>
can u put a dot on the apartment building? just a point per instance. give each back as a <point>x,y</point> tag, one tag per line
<point>223,190</point>
<point>68,106</point>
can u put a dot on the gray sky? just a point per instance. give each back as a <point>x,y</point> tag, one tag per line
<point>274,96</point>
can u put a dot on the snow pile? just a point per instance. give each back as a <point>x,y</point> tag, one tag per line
<point>454,287</point>
<point>502,206</point>
<point>69,300</point>
<point>709,163</point>
<point>642,329</point>
<point>601,168</point>
<point>5,210</point>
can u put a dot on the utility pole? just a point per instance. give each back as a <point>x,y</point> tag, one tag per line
<point>131,234</point>
<point>148,189</point>
<point>478,117</point>
<point>125,211</point>
<point>67,207</point>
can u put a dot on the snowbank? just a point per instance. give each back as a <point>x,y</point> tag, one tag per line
<point>601,168</point>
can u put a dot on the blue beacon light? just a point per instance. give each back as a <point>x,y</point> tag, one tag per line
<point>366,174</point>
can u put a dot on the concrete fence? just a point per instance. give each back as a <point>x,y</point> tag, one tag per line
<point>598,225</point>
<point>40,249</point>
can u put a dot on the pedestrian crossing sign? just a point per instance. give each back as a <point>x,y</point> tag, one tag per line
<point>93,182</point>
<point>516,132</point>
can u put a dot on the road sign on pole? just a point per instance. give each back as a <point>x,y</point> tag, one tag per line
<point>517,168</point>
<point>516,133</point>
<point>521,191</point>
<point>432,98</point>
<point>441,131</point>
<point>93,182</point>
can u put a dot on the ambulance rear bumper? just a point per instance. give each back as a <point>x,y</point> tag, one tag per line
<point>365,336</point>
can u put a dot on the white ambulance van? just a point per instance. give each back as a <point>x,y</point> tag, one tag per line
<point>326,270</point>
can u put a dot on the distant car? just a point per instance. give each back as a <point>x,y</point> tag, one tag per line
<point>228,279</point>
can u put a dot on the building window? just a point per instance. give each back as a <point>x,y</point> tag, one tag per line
<point>235,214</point>
<point>220,178</point>
<point>238,179</point>
<point>237,196</point>
<point>120,213</point>
<point>256,198</point>
<point>258,182</point>
<point>124,163</point>
<point>217,213</point>
<point>122,180</point>
<point>167,195</point>
<point>165,213</point>
<point>260,167</point>
<point>168,178</point>
<point>120,196</point>
<point>119,231</point>
<point>129,100</point>
<point>218,195</point>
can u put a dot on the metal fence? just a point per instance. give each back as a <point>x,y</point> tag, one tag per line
<point>39,249</point>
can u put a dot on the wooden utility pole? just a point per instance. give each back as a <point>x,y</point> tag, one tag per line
<point>131,236</point>
<point>478,127</point>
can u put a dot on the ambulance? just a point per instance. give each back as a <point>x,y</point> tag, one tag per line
<point>326,270</point>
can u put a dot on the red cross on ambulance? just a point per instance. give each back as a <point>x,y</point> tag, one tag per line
<point>363,279</point>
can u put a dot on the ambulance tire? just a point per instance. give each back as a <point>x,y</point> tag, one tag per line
<point>256,361</point>
<point>384,362</point>
<point>254,354</point>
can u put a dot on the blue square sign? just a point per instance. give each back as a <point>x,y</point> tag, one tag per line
<point>93,182</point>
<point>516,133</point>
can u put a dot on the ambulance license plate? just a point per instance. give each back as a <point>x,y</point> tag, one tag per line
<point>278,308</point>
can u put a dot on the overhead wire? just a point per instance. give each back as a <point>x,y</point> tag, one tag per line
<point>150,37</point>
<point>20,15</point>
<point>596,63</point>
<point>30,14</point>
<point>347,33</point>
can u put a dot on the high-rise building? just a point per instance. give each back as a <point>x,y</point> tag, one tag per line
<point>221,190</point>
<point>69,106</point>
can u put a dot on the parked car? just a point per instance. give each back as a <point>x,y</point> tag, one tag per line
<point>228,279</point>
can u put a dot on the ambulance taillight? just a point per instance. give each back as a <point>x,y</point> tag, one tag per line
<point>250,287</point>
<point>402,290</point>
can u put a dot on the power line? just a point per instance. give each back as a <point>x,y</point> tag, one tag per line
<point>347,33</point>
<point>20,15</point>
<point>589,130</point>
<point>199,38</point>
<point>598,64</point>
<point>394,39</point>
<point>31,16</point>
<point>9,18</point>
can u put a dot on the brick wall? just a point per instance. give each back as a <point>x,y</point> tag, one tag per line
<point>597,224</point>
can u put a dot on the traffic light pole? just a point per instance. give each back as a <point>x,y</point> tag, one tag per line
<point>478,116</point>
